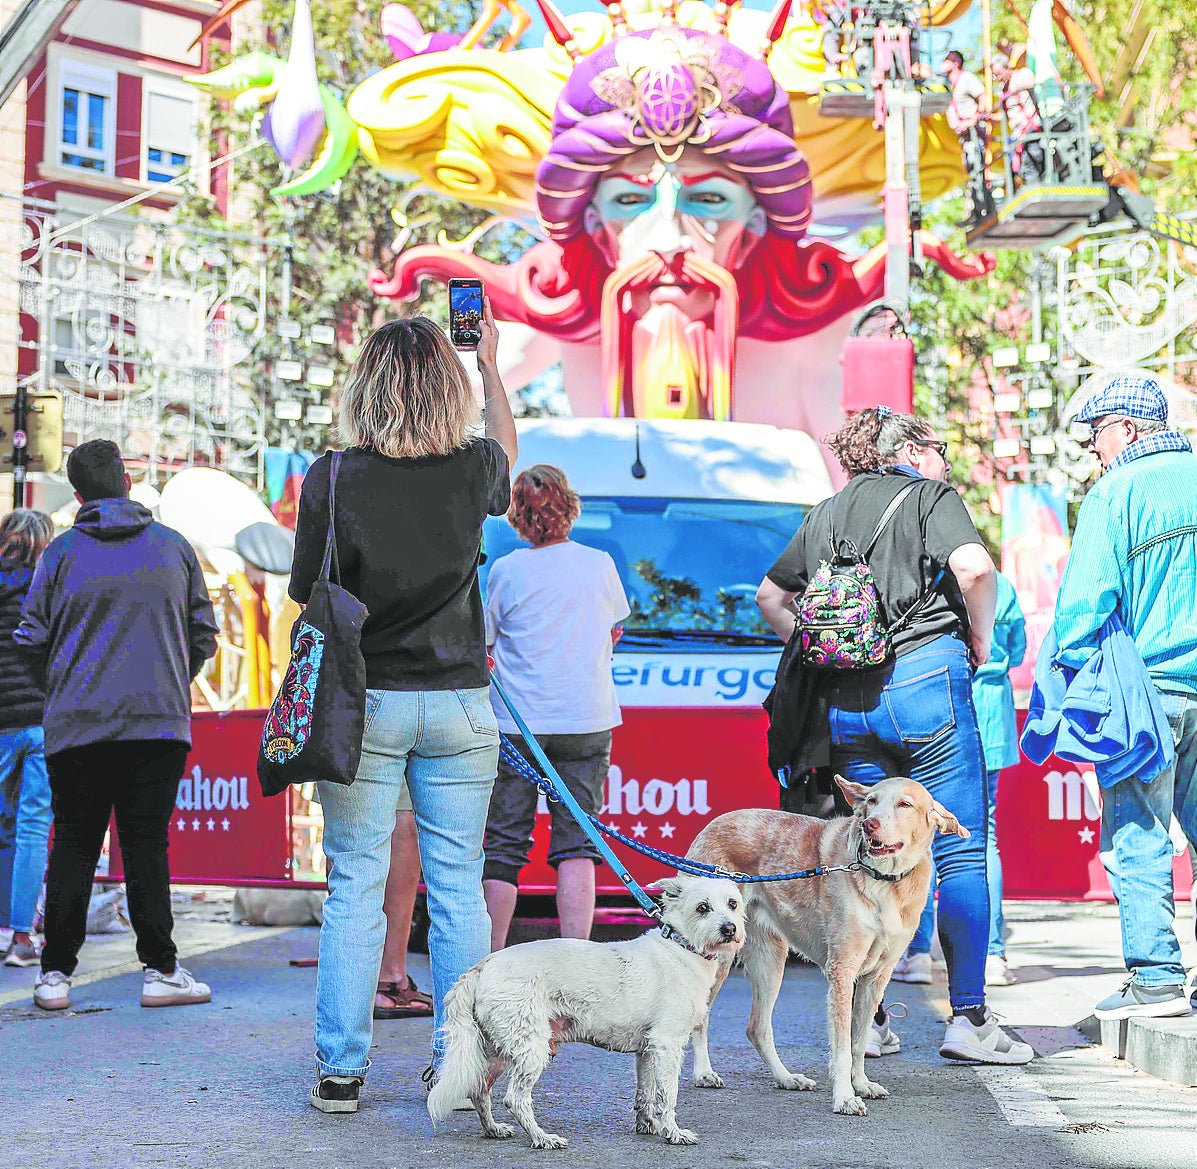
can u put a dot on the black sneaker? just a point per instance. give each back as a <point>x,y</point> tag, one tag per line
<point>1133,1001</point>
<point>336,1093</point>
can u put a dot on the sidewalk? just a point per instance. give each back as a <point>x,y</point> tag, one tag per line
<point>1068,957</point>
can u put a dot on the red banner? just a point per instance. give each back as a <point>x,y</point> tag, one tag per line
<point>224,831</point>
<point>672,771</point>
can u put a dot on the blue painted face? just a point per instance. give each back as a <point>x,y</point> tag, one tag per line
<point>618,200</point>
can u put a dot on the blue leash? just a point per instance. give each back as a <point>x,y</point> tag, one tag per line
<point>553,788</point>
<point>558,791</point>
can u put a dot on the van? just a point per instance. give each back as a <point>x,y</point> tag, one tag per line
<point>693,513</point>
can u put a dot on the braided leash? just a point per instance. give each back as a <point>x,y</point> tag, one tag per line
<point>683,864</point>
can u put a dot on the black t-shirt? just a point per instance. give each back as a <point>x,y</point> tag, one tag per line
<point>929,525</point>
<point>409,535</point>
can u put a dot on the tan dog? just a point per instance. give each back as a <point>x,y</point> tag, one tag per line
<point>855,926</point>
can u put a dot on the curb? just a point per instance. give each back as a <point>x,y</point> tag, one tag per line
<point>1164,1048</point>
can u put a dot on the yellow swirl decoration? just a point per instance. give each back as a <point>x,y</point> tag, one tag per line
<point>470,124</point>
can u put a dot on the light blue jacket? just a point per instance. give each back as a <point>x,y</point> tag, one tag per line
<point>1134,553</point>
<point>1107,713</point>
<point>993,696</point>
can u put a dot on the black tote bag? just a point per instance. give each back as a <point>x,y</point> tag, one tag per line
<point>314,728</point>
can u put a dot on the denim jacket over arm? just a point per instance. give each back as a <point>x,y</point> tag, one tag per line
<point>1107,713</point>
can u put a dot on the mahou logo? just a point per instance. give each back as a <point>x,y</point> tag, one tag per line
<point>1069,797</point>
<point>654,797</point>
<point>201,793</point>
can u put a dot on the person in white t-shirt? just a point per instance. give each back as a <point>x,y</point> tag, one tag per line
<point>552,621</point>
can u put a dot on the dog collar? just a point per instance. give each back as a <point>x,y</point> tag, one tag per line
<point>667,931</point>
<point>877,874</point>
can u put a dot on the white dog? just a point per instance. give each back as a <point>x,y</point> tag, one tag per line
<point>517,1006</point>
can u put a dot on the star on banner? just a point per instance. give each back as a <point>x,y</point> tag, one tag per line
<point>195,825</point>
<point>224,824</point>
<point>667,829</point>
<point>181,824</point>
<point>638,831</point>
<point>1086,835</point>
<point>211,824</point>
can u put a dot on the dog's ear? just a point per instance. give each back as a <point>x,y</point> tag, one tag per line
<point>669,888</point>
<point>853,792</point>
<point>945,823</point>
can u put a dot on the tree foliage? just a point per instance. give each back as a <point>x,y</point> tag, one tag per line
<point>1148,60</point>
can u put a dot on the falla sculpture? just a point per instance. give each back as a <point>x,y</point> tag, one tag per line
<point>682,186</point>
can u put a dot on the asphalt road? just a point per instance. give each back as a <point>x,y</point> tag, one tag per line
<point>111,1085</point>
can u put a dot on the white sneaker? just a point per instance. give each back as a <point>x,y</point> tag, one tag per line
<point>52,991</point>
<point>173,990</point>
<point>882,1040</point>
<point>987,1043</point>
<point>913,968</point>
<point>998,972</point>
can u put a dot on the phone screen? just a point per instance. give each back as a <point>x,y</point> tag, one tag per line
<point>465,313</point>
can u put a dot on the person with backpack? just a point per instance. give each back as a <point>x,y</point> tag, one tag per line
<point>885,597</point>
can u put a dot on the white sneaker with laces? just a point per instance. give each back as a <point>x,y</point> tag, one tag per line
<point>52,991</point>
<point>882,1040</point>
<point>984,1043</point>
<point>173,990</point>
<point>913,968</point>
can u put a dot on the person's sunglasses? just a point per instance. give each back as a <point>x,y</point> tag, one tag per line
<point>940,447</point>
<point>1094,431</point>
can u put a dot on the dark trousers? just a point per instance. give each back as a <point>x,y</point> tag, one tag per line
<point>139,779</point>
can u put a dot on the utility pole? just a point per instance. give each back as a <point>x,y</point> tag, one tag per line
<point>20,445</point>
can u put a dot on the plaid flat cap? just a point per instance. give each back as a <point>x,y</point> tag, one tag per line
<point>1138,396</point>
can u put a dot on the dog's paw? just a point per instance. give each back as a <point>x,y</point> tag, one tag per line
<point>681,1136</point>
<point>647,1125</point>
<point>793,1083</point>
<point>850,1106</point>
<point>501,1132</point>
<point>550,1140</point>
<point>868,1090</point>
<point>708,1080</point>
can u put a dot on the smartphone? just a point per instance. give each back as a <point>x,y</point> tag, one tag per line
<point>465,312</point>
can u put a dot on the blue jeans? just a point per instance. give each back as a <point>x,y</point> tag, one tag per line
<point>1137,851</point>
<point>921,942</point>
<point>445,743</point>
<point>915,717</point>
<point>23,762</point>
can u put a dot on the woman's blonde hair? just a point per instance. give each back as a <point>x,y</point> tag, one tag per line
<point>543,504</point>
<point>24,534</point>
<point>408,393</point>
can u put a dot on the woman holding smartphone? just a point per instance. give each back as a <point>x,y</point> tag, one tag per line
<point>412,492</point>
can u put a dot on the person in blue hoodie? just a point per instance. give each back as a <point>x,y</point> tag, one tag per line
<point>117,623</point>
<point>1134,557</point>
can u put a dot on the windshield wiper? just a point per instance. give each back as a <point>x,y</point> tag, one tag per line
<point>708,636</point>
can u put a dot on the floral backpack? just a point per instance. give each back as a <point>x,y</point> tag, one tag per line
<point>839,615</point>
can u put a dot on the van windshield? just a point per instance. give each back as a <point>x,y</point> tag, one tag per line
<point>690,567</point>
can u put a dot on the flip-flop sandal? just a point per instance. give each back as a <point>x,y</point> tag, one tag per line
<point>407,1002</point>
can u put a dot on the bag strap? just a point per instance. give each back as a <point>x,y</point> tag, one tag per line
<point>886,516</point>
<point>330,562</point>
<point>901,621</point>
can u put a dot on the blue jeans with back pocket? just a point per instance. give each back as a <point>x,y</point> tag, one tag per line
<point>915,717</point>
